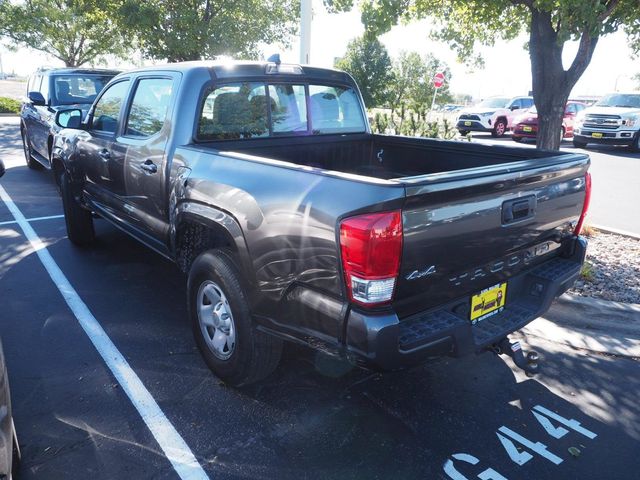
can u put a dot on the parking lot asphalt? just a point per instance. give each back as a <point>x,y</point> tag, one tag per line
<point>615,172</point>
<point>311,419</point>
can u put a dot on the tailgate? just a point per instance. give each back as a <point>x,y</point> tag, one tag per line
<point>471,229</point>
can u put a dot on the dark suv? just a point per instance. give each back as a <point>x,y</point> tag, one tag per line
<point>47,92</point>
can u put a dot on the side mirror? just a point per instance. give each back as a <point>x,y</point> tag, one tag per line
<point>514,107</point>
<point>36,98</point>
<point>1,168</point>
<point>71,118</point>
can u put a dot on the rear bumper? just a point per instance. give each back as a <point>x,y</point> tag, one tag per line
<point>384,342</point>
<point>473,126</point>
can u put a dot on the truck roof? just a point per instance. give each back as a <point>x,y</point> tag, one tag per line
<point>247,69</point>
<point>76,70</point>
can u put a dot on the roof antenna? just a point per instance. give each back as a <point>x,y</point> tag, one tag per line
<point>275,58</point>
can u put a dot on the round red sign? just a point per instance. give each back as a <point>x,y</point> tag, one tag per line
<point>438,79</point>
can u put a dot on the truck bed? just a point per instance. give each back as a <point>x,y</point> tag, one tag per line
<point>381,156</point>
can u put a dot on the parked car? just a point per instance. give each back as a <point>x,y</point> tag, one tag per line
<point>47,92</point>
<point>293,222</point>
<point>494,114</point>
<point>9,448</point>
<point>614,120</point>
<point>525,126</point>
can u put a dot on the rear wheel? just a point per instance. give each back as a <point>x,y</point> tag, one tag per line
<point>223,329</point>
<point>499,128</point>
<point>78,220</point>
<point>28,155</point>
<point>579,143</point>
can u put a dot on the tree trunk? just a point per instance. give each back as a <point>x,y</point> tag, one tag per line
<point>552,85</point>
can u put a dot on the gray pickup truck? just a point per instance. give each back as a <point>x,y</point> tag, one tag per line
<point>264,183</point>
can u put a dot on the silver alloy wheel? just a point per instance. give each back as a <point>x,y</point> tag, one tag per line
<point>216,320</point>
<point>500,128</point>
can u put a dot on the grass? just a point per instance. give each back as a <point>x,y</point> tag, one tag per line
<point>588,271</point>
<point>9,105</point>
<point>588,231</point>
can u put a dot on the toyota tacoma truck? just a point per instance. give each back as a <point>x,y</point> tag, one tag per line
<point>293,222</point>
<point>494,114</point>
<point>613,120</point>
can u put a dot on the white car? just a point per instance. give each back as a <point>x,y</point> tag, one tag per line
<point>494,114</point>
<point>614,120</point>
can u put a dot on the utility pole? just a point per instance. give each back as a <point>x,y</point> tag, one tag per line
<point>306,12</point>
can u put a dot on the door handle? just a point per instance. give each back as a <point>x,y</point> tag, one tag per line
<point>104,154</point>
<point>148,166</point>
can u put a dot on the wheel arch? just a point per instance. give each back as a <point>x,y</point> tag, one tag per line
<point>197,228</point>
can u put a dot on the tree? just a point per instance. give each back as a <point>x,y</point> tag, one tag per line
<point>368,62</point>
<point>180,30</point>
<point>74,31</point>
<point>550,23</point>
<point>636,78</point>
<point>412,86</point>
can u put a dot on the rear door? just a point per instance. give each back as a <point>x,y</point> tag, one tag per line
<point>474,230</point>
<point>142,146</point>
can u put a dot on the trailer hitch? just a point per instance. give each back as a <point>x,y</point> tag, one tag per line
<point>528,363</point>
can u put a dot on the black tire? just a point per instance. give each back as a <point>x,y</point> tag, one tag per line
<point>517,139</point>
<point>79,220</point>
<point>464,133</point>
<point>32,163</point>
<point>254,354</point>
<point>579,144</point>
<point>499,128</point>
<point>635,146</point>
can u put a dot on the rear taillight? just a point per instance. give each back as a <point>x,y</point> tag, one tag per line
<point>585,205</point>
<point>371,246</point>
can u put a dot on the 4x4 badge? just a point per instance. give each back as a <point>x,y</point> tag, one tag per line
<point>421,273</point>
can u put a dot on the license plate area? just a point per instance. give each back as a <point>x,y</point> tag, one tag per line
<point>488,302</point>
<point>467,123</point>
<point>596,135</point>
<point>527,129</point>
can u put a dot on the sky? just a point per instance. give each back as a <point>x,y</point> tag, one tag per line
<point>507,69</point>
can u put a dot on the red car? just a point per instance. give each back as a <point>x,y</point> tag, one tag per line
<point>526,125</point>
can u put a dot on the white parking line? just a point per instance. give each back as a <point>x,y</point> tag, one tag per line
<point>34,219</point>
<point>172,444</point>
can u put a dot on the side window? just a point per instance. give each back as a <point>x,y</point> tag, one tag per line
<point>527,102</point>
<point>34,84</point>
<point>334,109</point>
<point>571,108</point>
<point>149,107</point>
<point>234,111</point>
<point>516,104</point>
<point>289,108</point>
<point>107,110</point>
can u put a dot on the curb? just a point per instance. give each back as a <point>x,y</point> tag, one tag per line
<point>616,231</point>
<point>9,114</point>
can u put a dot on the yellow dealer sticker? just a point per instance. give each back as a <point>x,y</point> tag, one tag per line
<point>468,124</point>
<point>488,302</point>
<point>596,135</point>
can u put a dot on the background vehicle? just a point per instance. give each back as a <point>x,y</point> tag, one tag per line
<point>614,120</point>
<point>525,126</point>
<point>47,92</point>
<point>9,448</point>
<point>263,182</point>
<point>494,114</point>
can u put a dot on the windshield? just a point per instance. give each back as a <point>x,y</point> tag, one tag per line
<point>620,100</point>
<point>495,102</point>
<point>77,89</point>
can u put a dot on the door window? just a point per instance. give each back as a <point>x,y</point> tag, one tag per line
<point>107,110</point>
<point>149,107</point>
<point>527,102</point>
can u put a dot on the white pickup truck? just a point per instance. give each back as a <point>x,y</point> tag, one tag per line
<point>494,114</point>
<point>614,120</point>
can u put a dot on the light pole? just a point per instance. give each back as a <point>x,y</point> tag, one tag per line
<point>306,12</point>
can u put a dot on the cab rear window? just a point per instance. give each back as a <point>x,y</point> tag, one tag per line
<point>255,110</point>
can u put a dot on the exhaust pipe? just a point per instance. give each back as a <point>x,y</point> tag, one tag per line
<point>528,363</point>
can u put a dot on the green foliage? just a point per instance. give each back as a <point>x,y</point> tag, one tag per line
<point>9,105</point>
<point>412,124</point>
<point>412,85</point>
<point>74,31</point>
<point>368,62</point>
<point>180,30</point>
<point>636,78</point>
